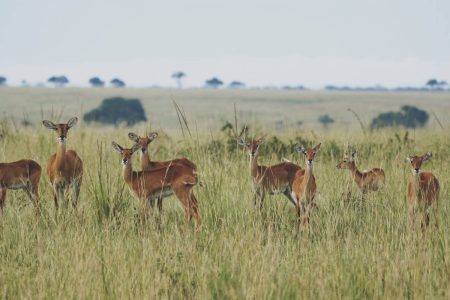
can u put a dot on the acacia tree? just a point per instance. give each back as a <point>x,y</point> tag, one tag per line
<point>326,121</point>
<point>2,80</point>
<point>432,83</point>
<point>58,80</point>
<point>96,82</point>
<point>178,76</point>
<point>213,83</point>
<point>116,82</point>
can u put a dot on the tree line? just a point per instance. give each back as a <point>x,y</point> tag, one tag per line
<point>215,83</point>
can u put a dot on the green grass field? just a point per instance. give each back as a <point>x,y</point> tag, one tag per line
<point>357,248</point>
<point>207,109</point>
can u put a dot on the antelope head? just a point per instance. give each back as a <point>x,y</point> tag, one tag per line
<point>348,162</point>
<point>309,153</point>
<point>252,146</point>
<point>416,162</point>
<point>143,142</point>
<point>125,153</point>
<point>62,129</point>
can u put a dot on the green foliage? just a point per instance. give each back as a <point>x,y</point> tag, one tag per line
<point>213,83</point>
<point>117,110</point>
<point>326,120</point>
<point>118,83</point>
<point>107,191</point>
<point>58,80</point>
<point>408,117</point>
<point>96,82</point>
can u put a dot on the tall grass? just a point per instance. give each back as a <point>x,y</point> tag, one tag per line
<point>357,248</point>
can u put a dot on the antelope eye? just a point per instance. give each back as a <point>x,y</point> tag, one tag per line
<point>345,161</point>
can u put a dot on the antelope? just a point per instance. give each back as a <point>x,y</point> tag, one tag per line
<point>147,164</point>
<point>64,168</point>
<point>273,179</point>
<point>22,174</point>
<point>422,191</point>
<point>371,180</point>
<point>149,185</point>
<point>304,186</point>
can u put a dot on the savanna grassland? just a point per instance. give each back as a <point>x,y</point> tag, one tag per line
<point>356,248</point>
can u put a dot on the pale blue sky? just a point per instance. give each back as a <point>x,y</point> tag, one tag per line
<point>355,42</point>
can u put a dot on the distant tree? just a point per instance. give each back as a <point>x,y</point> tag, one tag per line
<point>96,82</point>
<point>408,117</point>
<point>236,85</point>
<point>58,80</point>
<point>117,110</point>
<point>293,87</point>
<point>326,121</point>
<point>2,80</point>
<point>432,83</point>
<point>443,84</point>
<point>178,76</point>
<point>213,83</point>
<point>117,83</point>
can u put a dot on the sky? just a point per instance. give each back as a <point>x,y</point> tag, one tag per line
<point>262,43</point>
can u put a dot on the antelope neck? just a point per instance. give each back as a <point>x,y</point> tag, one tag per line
<point>60,155</point>
<point>145,160</point>
<point>356,174</point>
<point>253,166</point>
<point>308,174</point>
<point>415,183</point>
<point>127,172</point>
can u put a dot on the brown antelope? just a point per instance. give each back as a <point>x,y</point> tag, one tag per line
<point>370,180</point>
<point>22,174</point>
<point>304,186</point>
<point>147,164</point>
<point>64,168</point>
<point>422,191</point>
<point>271,180</point>
<point>149,185</point>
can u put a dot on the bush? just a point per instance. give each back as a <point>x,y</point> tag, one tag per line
<point>116,82</point>
<point>96,82</point>
<point>58,80</point>
<point>408,117</point>
<point>117,110</point>
<point>326,120</point>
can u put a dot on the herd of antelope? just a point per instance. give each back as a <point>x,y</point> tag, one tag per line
<point>160,179</point>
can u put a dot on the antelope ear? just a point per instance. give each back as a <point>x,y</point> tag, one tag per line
<point>152,135</point>
<point>300,148</point>
<point>135,148</point>
<point>241,142</point>
<point>408,159</point>
<point>427,156</point>
<point>316,147</point>
<point>72,122</point>
<point>49,124</point>
<point>117,147</point>
<point>133,137</point>
<point>260,141</point>
<point>353,157</point>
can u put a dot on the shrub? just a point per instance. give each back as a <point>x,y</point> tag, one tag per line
<point>96,82</point>
<point>408,117</point>
<point>58,80</point>
<point>117,110</point>
<point>326,120</point>
<point>116,82</point>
